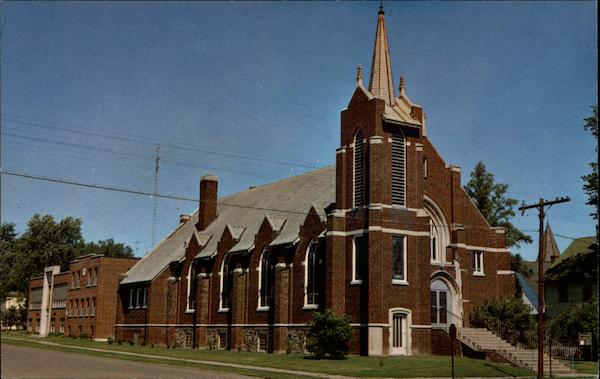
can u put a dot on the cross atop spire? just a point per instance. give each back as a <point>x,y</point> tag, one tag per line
<point>381,84</point>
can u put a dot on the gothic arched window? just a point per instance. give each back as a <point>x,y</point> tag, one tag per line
<point>313,264</point>
<point>191,287</point>
<point>264,280</point>
<point>439,236</point>
<point>225,284</point>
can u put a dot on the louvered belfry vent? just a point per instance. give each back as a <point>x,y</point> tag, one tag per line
<point>398,170</point>
<point>359,170</point>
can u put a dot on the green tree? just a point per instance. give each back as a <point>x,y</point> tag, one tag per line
<point>10,317</point>
<point>493,203</point>
<point>590,181</point>
<point>578,318</point>
<point>329,335</point>
<point>47,242</point>
<point>517,265</point>
<point>108,248</point>
<point>8,236</point>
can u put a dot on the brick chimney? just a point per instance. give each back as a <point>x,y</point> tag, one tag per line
<point>184,218</point>
<point>207,210</point>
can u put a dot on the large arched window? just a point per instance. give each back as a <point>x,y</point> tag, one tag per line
<point>264,281</point>
<point>225,284</point>
<point>439,237</point>
<point>359,170</point>
<point>313,265</point>
<point>398,169</point>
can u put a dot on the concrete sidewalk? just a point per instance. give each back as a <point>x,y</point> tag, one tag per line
<point>195,361</point>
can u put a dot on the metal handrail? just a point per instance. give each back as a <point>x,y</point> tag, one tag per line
<point>524,341</point>
<point>458,320</point>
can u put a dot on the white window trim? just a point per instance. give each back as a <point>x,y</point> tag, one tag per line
<point>137,298</point>
<point>260,284</point>
<point>306,268</point>
<point>131,291</point>
<point>404,281</point>
<point>354,280</point>
<point>145,297</point>
<point>310,306</point>
<point>408,313</point>
<point>189,283</point>
<point>480,271</point>
<point>438,223</point>
<point>221,309</point>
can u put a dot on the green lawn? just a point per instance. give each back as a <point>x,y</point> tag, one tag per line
<point>586,367</point>
<point>356,366</point>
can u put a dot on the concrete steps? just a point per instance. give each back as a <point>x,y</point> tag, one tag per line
<point>483,340</point>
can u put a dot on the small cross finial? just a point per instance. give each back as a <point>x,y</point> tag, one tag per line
<point>359,74</point>
<point>401,88</point>
<point>381,7</point>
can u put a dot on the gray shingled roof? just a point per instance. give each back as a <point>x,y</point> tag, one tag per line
<point>286,203</point>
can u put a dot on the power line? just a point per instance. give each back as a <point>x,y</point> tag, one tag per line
<point>79,146</point>
<point>137,192</point>
<point>182,198</point>
<point>136,139</point>
<point>87,148</point>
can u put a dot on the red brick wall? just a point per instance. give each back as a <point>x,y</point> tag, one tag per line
<point>368,302</point>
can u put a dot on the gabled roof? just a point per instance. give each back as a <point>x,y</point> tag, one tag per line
<point>287,200</point>
<point>170,249</point>
<point>579,245</point>
<point>286,203</point>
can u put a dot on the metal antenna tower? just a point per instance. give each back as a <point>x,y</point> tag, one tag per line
<point>155,198</point>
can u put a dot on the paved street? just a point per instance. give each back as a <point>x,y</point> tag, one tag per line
<point>22,362</point>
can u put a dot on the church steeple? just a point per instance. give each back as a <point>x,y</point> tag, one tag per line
<point>381,84</point>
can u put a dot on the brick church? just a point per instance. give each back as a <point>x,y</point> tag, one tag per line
<point>387,236</point>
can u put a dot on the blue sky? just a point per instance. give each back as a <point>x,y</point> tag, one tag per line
<point>89,90</point>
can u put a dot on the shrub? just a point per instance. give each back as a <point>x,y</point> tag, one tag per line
<point>512,313</point>
<point>578,318</point>
<point>83,335</point>
<point>109,340</point>
<point>329,334</point>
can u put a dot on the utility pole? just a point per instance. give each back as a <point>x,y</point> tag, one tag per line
<point>541,258</point>
<point>155,199</point>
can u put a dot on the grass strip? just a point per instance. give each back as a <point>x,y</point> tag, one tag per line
<point>355,366</point>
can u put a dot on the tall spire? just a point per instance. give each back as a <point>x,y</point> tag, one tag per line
<point>381,84</point>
